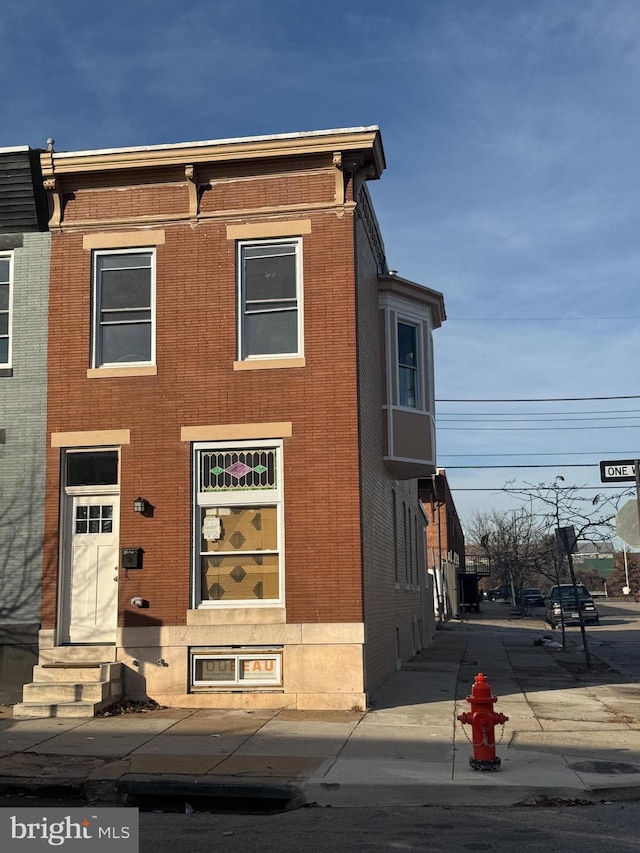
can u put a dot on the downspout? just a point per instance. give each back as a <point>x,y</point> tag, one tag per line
<point>440,591</point>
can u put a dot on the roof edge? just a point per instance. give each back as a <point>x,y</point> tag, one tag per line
<point>412,289</point>
<point>232,140</point>
<point>364,142</point>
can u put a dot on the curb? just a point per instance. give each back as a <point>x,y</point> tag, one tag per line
<point>70,789</point>
<point>142,790</point>
<point>259,794</point>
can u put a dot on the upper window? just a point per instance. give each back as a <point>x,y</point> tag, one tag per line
<point>270,299</point>
<point>123,308</point>
<point>238,525</point>
<point>408,378</point>
<point>6,269</point>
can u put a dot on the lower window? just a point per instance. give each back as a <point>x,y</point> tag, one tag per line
<point>227,668</point>
<point>238,525</point>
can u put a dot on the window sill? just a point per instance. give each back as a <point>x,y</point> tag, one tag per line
<point>268,363</point>
<point>121,372</point>
<point>237,689</point>
<point>6,371</point>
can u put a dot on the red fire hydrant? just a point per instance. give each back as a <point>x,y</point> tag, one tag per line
<point>482,719</point>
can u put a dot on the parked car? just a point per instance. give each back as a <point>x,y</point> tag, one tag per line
<point>530,597</point>
<point>563,606</point>
<point>468,592</point>
<point>500,593</point>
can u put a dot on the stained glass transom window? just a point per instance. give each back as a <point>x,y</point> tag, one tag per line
<point>238,470</point>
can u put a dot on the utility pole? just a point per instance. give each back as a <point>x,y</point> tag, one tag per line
<point>566,538</point>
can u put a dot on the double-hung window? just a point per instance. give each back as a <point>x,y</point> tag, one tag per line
<point>270,299</point>
<point>408,361</point>
<point>238,524</point>
<point>123,308</point>
<point>6,296</point>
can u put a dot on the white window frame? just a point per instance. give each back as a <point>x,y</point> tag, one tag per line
<point>237,655</point>
<point>9,336</point>
<point>241,245</point>
<point>239,498</point>
<point>419,365</point>
<point>96,335</point>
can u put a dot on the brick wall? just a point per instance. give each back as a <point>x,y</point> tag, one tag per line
<point>393,599</point>
<point>445,540</point>
<point>196,384</point>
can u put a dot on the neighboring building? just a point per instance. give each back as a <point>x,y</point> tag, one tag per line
<point>597,556</point>
<point>445,543</point>
<point>24,276</point>
<point>227,344</point>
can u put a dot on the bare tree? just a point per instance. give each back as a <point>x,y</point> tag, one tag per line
<point>557,508</point>
<point>555,505</point>
<point>515,542</point>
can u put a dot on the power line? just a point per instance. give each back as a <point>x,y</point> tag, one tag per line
<point>535,399</point>
<point>534,489</point>
<point>535,319</point>
<point>623,453</point>
<point>556,465</point>
<point>537,414</point>
<point>526,417</point>
<point>529,429</point>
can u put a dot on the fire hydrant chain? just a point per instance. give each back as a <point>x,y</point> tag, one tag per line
<point>482,743</point>
<point>482,719</point>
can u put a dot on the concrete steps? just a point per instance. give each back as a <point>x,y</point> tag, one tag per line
<point>70,689</point>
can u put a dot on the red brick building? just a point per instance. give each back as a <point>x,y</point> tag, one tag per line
<point>445,542</point>
<point>227,344</point>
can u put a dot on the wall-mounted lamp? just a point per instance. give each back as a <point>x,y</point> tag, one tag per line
<point>140,505</point>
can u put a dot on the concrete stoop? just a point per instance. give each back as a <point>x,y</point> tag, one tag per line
<point>70,689</point>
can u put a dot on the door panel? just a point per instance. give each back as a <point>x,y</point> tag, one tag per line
<point>92,570</point>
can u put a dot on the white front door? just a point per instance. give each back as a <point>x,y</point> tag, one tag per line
<point>91,570</point>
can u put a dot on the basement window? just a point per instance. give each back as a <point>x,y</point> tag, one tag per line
<point>233,668</point>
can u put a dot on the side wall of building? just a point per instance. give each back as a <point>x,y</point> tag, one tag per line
<point>397,622</point>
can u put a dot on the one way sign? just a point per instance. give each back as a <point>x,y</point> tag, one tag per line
<point>620,470</point>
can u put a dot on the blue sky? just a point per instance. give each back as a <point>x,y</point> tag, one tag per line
<point>511,132</point>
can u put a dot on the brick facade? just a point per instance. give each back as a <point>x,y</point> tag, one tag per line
<point>445,542</point>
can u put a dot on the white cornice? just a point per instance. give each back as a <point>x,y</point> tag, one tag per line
<point>412,290</point>
<point>362,139</point>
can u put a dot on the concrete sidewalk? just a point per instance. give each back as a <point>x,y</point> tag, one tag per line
<point>570,736</point>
